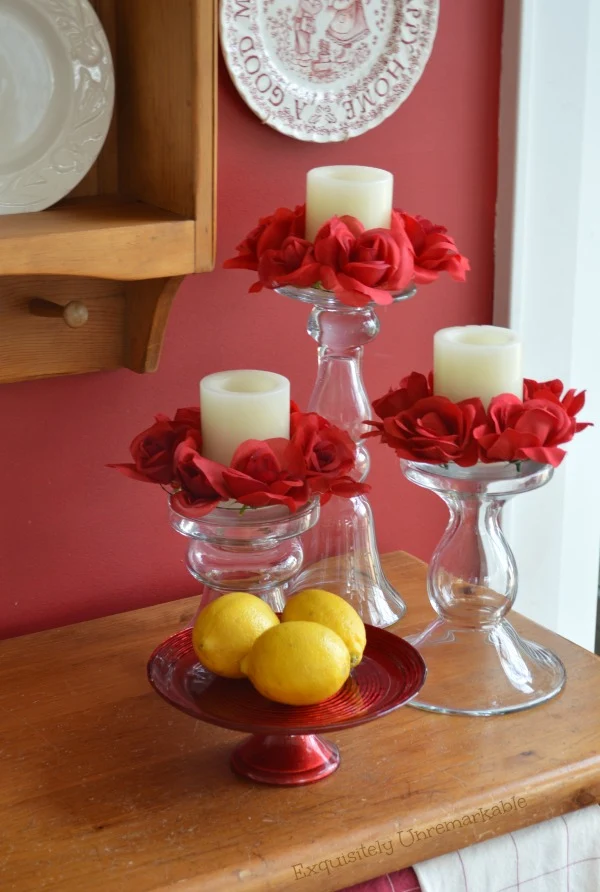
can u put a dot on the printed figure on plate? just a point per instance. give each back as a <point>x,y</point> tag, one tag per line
<point>348,23</point>
<point>305,26</point>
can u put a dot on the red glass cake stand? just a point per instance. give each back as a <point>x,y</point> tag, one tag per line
<point>284,747</point>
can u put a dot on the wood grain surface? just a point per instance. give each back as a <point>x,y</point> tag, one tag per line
<point>148,306</point>
<point>102,237</point>
<point>104,787</point>
<point>155,52</point>
<point>205,109</point>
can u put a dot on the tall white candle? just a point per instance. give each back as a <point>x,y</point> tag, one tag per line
<point>477,360</point>
<point>246,404</point>
<point>366,193</point>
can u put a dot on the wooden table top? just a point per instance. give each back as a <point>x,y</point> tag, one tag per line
<point>104,787</point>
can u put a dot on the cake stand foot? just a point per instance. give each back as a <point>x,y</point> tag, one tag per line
<point>285,759</point>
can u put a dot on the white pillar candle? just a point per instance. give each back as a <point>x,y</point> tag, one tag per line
<point>242,405</point>
<point>366,193</point>
<point>477,360</point>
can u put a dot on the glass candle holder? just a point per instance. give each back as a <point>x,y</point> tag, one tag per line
<point>341,551</point>
<point>257,550</point>
<point>477,662</point>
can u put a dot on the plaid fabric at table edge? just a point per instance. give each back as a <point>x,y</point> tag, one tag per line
<point>571,850</point>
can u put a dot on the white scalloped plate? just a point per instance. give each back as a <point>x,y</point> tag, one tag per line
<point>326,70</point>
<point>56,99</point>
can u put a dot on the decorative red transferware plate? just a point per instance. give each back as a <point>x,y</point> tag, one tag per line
<point>326,70</point>
<point>284,748</point>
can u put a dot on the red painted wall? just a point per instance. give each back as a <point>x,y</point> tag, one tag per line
<point>78,541</point>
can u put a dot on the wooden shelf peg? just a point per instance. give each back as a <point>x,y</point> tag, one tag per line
<point>75,313</point>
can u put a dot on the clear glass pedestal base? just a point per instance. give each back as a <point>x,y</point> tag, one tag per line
<point>484,671</point>
<point>477,663</point>
<point>341,552</point>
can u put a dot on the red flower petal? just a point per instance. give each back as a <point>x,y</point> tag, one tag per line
<point>546,455</point>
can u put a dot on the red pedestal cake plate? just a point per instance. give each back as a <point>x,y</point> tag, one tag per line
<point>284,747</point>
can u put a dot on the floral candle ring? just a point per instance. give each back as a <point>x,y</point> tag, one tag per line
<point>358,265</point>
<point>318,459</point>
<point>421,425</point>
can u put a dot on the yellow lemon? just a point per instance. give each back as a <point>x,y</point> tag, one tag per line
<point>298,663</point>
<point>318,606</point>
<point>226,629</point>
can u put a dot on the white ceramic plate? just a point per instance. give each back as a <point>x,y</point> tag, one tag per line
<point>326,70</point>
<point>56,99</point>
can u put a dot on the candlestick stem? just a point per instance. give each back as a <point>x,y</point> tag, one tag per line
<point>339,393</point>
<point>341,552</point>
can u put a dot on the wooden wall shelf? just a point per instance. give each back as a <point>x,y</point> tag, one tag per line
<point>108,239</point>
<point>142,219</point>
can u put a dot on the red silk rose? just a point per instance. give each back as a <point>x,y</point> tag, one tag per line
<point>270,234</point>
<point>334,241</point>
<point>327,449</point>
<point>435,251</point>
<point>153,450</point>
<point>436,430</point>
<point>572,402</point>
<point>267,472</point>
<point>293,264</point>
<point>360,265</point>
<point>188,417</point>
<point>412,388</point>
<point>553,388</point>
<point>201,482</point>
<point>329,455</point>
<point>517,431</point>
